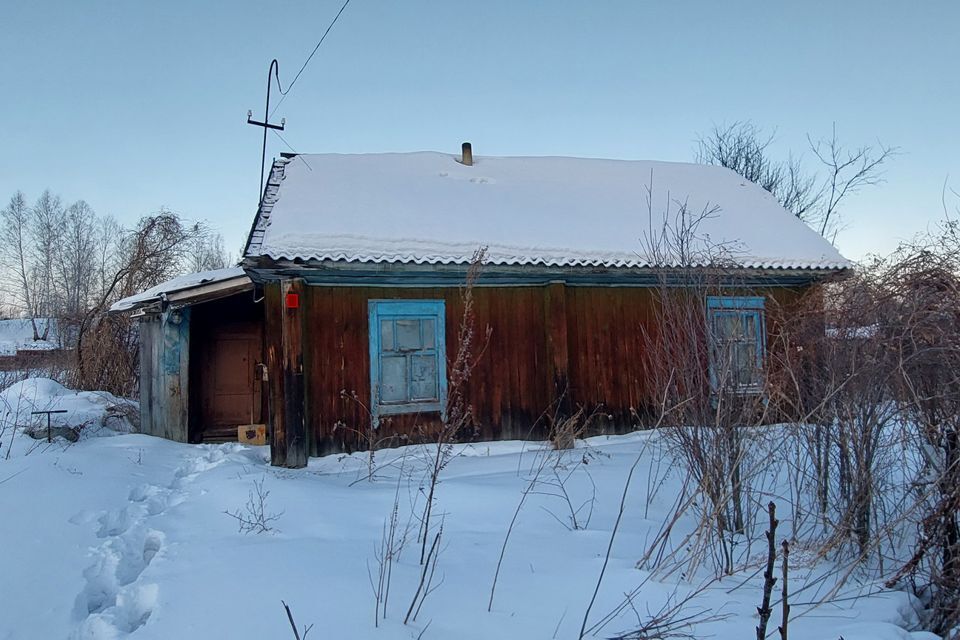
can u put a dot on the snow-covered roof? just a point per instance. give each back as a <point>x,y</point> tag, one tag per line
<point>427,208</point>
<point>188,282</point>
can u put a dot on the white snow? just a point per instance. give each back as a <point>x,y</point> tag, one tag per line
<point>426,207</point>
<point>86,411</point>
<point>16,334</point>
<point>127,535</point>
<point>180,283</point>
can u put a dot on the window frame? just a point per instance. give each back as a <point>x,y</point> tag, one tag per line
<point>385,309</point>
<point>742,306</point>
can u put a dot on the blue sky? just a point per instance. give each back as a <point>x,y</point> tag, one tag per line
<point>134,105</point>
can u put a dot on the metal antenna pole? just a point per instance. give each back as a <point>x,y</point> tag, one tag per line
<point>274,69</point>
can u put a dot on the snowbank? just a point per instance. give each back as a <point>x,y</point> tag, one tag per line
<point>86,412</point>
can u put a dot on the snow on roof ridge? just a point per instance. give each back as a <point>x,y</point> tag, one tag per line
<point>425,207</point>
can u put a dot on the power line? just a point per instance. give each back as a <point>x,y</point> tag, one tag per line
<point>307,61</point>
<point>289,146</point>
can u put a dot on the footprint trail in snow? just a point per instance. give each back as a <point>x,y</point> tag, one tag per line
<point>116,599</point>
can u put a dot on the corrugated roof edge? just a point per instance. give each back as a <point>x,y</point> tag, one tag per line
<point>535,261</point>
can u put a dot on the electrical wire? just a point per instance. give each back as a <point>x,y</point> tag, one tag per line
<point>283,93</point>
<point>289,146</point>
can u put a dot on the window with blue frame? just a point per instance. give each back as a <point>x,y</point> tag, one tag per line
<point>407,356</point>
<point>737,330</point>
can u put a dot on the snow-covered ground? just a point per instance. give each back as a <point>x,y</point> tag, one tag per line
<point>127,535</point>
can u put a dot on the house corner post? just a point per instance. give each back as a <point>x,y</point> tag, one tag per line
<point>273,343</point>
<point>295,435</point>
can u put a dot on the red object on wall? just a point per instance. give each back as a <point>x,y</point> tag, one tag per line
<point>293,301</point>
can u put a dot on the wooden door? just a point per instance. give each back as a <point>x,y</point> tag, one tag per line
<point>232,386</point>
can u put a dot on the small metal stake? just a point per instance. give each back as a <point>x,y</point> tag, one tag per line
<point>37,413</point>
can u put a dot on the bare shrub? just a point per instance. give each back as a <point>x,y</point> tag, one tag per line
<point>425,585</point>
<point>545,477</point>
<point>456,416</point>
<point>678,616</point>
<point>875,395</point>
<point>712,384</point>
<point>769,580</point>
<point>293,625</point>
<point>565,431</point>
<point>369,435</point>
<point>254,517</point>
<point>392,542</point>
<point>923,285</point>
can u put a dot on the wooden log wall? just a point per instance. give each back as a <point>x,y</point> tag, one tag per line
<point>548,345</point>
<point>551,348</point>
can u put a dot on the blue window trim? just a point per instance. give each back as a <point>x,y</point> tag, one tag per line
<point>738,305</point>
<point>735,302</point>
<point>380,309</point>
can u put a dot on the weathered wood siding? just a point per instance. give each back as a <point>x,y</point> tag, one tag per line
<point>165,375</point>
<point>549,346</point>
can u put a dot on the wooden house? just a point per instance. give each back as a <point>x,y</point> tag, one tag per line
<point>352,276</point>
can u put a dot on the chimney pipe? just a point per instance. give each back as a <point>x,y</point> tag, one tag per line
<point>466,154</point>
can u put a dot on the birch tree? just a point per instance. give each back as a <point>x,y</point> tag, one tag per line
<point>14,250</point>
<point>46,230</point>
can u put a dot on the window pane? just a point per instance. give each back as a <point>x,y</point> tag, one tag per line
<point>725,325</point>
<point>746,363</point>
<point>738,326</point>
<point>393,374</point>
<point>408,335</point>
<point>386,335</point>
<point>429,333</point>
<point>748,326</point>
<point>423,385</point>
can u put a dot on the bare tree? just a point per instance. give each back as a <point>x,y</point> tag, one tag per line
<point>848,171</point>
<point>107,356</point>
<point>46,229</point>
<point>207,253</point>
<point>745,148</point>
<point>74,268</point>
<point>16,255</point>
<point>107,241</point>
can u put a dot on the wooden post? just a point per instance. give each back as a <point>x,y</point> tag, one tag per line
<point>293,372</point>
<point>273,341</point>
<point>288,442</point>
<point>558,355</point>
